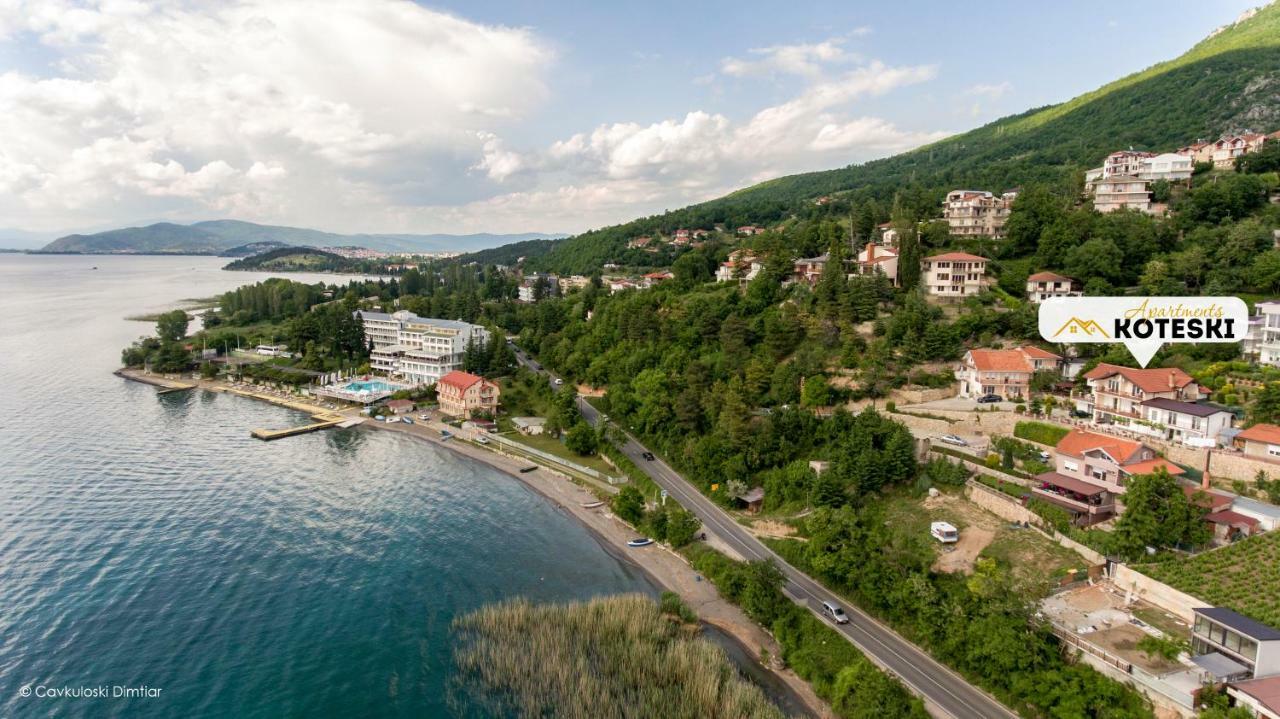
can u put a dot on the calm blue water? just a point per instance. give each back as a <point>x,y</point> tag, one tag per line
<point>148,540</point>
<point>372,385</point>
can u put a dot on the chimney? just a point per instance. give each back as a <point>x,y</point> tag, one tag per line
<point>871,251</point>
<point>1172,384</point>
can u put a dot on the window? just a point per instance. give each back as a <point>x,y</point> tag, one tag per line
<point>1070,466</point>
<point>1273,450</point>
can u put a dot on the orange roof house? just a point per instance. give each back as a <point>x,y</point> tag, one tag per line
<point>462,394</point>
<point>1261,440</point>
<point>1003,372</point>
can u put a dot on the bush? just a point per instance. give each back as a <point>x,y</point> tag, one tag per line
<point>1042,432</point>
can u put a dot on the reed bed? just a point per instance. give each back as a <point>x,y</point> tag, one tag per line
<point>614,657</point>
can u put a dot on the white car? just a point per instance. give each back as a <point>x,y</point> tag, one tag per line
<point>559,381</point>
<point>953,439</point>
<point>482,439</point>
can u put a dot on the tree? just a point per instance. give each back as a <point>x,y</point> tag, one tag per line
<point>1157,514</point>
<point>628,505</point>
<point>172,326</point>
<point>816,393</point>
<point>582,439</point>
<point>682,526</point>
<point>1266,404</point>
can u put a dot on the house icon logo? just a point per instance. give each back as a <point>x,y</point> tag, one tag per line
<point>1076,327</point>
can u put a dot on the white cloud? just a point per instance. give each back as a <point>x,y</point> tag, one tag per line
<point>991,90</point>
<point>806,59</point>
<point>182,109</point>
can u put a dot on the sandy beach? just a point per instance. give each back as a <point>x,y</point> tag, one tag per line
<point>664,567</point>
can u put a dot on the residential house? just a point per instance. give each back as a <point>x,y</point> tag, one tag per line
<point>1230,147</point>
<point>462,394</point>
<point>748,230</point>
<point>573,282</point>
<point>1261,440</point>
<point>1224,521</point>
<point>1186,422</point>
<point>1117,393</point>
<point>954,274</point>
<point>975,213</point>
<point>418,350</point>
<point>1263,338</point>
<point>640,242</point>
<point>682,237</point>
<point>530,426</point>
<point>653,278</point>
<point>1251,646</point>
<point>1003,372</point>
<point>1198,151</point>
<point>1122,192</point>
<point>809,269</point>
<point>888,235</point>
<point>400,406</point>
<point>1169,166</point>
<point>1092,470</point>
<point>620,284</point>
<point>740,265</point>
<point>874,258</point>
<point>1043,285</point>
<point>1261,696</point>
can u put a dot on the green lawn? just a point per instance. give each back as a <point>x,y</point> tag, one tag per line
<point>554,446</point>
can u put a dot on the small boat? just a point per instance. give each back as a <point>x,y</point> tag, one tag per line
<point>592,505</point>
<point>639,542</point>
<point>530,468</point>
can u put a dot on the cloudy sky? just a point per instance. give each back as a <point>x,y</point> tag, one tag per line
<point>506,116</point>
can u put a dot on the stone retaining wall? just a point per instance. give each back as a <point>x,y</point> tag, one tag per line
<point>1158,593</point>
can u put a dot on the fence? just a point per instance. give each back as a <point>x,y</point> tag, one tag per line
<point>526,449</point>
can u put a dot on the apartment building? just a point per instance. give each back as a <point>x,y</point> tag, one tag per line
<point>1122,192</point>
<point>953,275</point>
<point>975,213</point>
<point>1043,285</point>
<point>418,350</point>
<point>1168,166</point>
<point>1117,393</point>
<point>1230,147</point>
<point>1263,338</point>
<point>462,394</point>
<point>1092,470</point>
<point>1003,372</point>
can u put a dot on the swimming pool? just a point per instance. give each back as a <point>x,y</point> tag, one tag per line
<point>371,386</point>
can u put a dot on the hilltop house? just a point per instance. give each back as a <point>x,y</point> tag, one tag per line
<point>888,235</point>
<point>1168,166</point>
<point>1263,339</point>
<point>809,269</point>
<point>748,230</point>
<point>953,274</point>
<point>1043,285</point>
<point>1092,470</point>
<point>1229,147</point>
<point>1003,372</point>
<point>1118,393</point>
<point>1223,634</point>
<point>462,394</point>
<point>741,264</point>
<point>975,213</point>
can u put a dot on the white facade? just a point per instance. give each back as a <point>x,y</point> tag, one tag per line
<point>1267,341</point>
<point>421,350</point>
<point>953,275</point>
<point>1168,166</point>
<point>1186,422</point>
<point>1122,192</point>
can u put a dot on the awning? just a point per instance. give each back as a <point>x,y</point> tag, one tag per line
<point>1232,519</point>
<point>1079,486</point>
<point>1219,665</point>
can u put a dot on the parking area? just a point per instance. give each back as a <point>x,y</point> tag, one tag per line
<point>959,404</point>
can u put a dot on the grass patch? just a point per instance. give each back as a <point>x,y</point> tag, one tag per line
<point>608,657</point>
<point>554,446</point>
<point>1042,432</point>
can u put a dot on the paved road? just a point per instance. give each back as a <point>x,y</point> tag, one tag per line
<point>947,693</point>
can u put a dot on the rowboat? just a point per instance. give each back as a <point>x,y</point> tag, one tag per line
<point>640,542</point>
<point>592,505</point>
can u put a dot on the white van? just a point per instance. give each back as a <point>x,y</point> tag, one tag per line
<point>944,532</point>
<point>835,612</point>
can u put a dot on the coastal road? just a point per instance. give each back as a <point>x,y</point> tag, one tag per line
<point>946,692</point>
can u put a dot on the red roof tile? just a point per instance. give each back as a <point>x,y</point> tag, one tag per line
<point>1036,353</point>
<point>1268,433</point>
<point>1151,465</point>
<point>1000,361</point>
<point>1049,277</point>
<point>1148,380</point>
<point>460,380</point>
<point>1078,441</point>
<point>956,257</point>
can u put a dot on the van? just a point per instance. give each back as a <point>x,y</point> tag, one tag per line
<point>944,532</point>
<point>835,612</point>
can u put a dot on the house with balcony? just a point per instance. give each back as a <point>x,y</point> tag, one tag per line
<point>1168,166</point>
<point>1190,423</point>
<point>741,265</point>
<point>1232,646</point>
<point>462,394</point>
<point>1116,393</point>
<point>1092,470</point>
<point>1122,192</point>
<point>976,213</point>
<point>1230,147</point>
<point>1263,338</point>
<point>1003,372</point>
<point>809,269</point>
<point>1043,285</point>
<point>1198,151</point>
<point>953,275</point>
<point>888,236</point>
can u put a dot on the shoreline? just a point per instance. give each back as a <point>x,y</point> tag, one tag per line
<point>662,567</point>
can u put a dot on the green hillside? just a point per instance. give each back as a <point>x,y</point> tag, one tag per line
<point>1228,81</point>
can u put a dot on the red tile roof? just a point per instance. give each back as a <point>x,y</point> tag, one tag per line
<point>1266,691</point>
<point>1048,277</point>
<point>1078,441</point>
<point>1268,433</point>
<point>1000,361</point>
<point>1062,481</point>
<point>460,380</point>
<point>1148,380</point>
<point>956,257</point>
<point>1151,465</point>
<point>1231,519</point>
<point>1211,500</point>
<point>1036,353</point>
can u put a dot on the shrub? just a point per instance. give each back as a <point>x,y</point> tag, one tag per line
<point>1041,432</point>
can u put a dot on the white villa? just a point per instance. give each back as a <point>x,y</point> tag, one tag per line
<point>418,350</point>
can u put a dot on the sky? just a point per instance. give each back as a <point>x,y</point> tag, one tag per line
<point>510,116</point>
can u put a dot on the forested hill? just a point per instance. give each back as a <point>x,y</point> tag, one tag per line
<point>1229,81</point>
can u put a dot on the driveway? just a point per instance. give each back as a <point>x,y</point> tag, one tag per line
<point>958,404</point>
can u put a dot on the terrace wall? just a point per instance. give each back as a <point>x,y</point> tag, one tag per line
<point>1158,593</point>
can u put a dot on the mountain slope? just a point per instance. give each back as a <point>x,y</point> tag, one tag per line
<point>1229,81</point>
<point>215,236</point>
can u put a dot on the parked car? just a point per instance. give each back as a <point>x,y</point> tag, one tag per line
<point>952,439</point>
<point>1044,456</point>
<point>990,398</point>
<point>482,439</point>
<point>647,455</point>
<point>559,381</point>
<point>833,610</point>
<point>424,417</point>
<point>406,420</point>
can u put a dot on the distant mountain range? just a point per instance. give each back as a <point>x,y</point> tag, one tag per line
<point>216,237</point>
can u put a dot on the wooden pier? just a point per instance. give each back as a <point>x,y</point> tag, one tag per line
<point>269,434</point>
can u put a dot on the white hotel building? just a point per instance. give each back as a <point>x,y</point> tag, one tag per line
<point>418,350</point>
